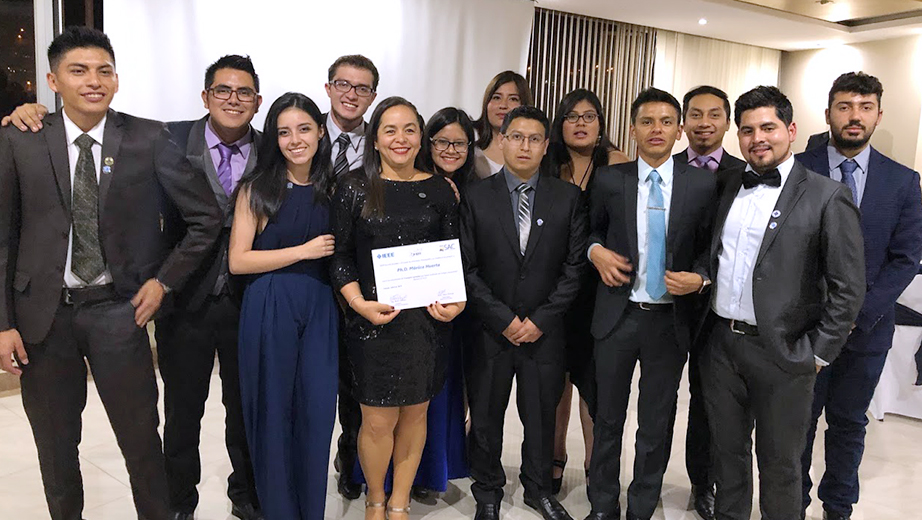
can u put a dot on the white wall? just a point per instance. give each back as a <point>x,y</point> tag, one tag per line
<point>433,52</point>
<point>806,77</point>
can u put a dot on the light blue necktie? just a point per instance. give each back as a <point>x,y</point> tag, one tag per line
<point>848,168</point>
<point>656,239</point>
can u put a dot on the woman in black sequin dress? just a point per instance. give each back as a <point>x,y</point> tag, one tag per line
<point>397,358</point>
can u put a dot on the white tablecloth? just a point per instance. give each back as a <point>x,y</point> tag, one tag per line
<point>896,391</point>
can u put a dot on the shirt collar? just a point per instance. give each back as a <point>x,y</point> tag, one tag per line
<point>212,139</point>
<point>354,135</point>
<point>664,170</point>
<point>513,182</point>
<point>717,154</point>
<point>836,159</point>
<point>784,169</point>
<point>72,131</point>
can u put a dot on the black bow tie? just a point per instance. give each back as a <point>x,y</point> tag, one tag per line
<point>752,179</point>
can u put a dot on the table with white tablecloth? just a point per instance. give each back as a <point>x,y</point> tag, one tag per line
<point>896,392</point>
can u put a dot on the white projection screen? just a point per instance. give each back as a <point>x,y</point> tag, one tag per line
<point>435,53</point>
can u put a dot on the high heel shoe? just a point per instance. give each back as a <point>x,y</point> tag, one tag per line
<point>557,482</point>
<point>400,510</point>
<point>375,505</point>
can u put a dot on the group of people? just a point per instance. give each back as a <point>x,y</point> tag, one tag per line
<point>761,273</point>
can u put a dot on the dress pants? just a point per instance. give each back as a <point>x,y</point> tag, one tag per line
<point>844,390</point>
<point>745,389</point>
<point>350,414</point>
<point>539,385</point>
<point>698,434</point>
<point>650,338</point>
<point>186,346</point>
<point>54,396</point>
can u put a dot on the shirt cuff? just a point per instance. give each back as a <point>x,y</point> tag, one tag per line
<point>589,251</point>
<point>820,362</point>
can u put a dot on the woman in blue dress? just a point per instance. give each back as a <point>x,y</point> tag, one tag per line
<point>288,323</point>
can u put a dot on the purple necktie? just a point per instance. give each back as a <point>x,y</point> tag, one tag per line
<point>706,162</point>
<point>224,168</point>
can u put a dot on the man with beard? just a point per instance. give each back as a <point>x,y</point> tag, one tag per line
<point>891,219</point>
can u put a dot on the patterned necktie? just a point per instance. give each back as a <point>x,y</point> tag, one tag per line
<point>341,164</point>
<point>523,215</point>
<point>225,175</point>
<point>656,239</point>
<point>705,162</point>
<point>86,259</point>
<point>848,168</point>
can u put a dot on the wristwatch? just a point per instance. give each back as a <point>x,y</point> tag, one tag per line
<point>705,283</point>
<point>166,289</point>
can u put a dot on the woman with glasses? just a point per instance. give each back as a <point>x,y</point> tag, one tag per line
<point>579,145</point>
<point>288,319</point>
<point>397,358</point>
<point>505,91</point>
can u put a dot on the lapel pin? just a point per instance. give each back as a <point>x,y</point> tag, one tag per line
<point>107,169</point>
<point>773,225</point>
<point>540,222</point>
<point>422,195</point>
<point>776,214</point>
<point>108,161</point>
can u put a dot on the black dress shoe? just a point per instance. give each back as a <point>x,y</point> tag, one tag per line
<point>595,515</point>
<point>548,507</point>
<point>348,489</point>
<point>830,515</point>
<point>487,512</point>
<point>704,501</point>
<point>182,516</point>
<point>420,494</point>
<point>246,512</point>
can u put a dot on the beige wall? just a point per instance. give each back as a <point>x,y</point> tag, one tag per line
<point>806,76</point>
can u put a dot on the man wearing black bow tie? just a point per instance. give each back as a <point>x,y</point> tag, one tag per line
<point>788,268</point>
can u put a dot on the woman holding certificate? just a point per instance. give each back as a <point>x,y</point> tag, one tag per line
<point>397,358</point>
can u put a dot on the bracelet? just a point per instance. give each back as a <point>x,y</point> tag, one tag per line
<point>353,299</point>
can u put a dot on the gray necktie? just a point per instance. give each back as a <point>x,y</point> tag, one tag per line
<point>848,168</point>
<point>523,215</point>
<point>86,261</point>
<point>341,164</point>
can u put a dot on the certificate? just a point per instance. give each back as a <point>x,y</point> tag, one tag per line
<point>414,276</point>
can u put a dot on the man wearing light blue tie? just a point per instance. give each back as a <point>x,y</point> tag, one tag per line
<point>650,223</point>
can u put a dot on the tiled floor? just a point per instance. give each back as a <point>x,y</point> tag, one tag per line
<point>890,476</point>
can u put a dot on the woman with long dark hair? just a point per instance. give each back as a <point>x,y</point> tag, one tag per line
<point>579,145</point>
<point>288,321</point>
<point>397,358</point>
<point>505,91</point>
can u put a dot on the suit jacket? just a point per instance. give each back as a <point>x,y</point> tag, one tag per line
<point>808,276</point>
<point>891,221</point>
<point>613,223</point>
<point>35,215</point>
<point>502,283</point>
<point>189,136</point>
<point>818,140</point>
<point>727,164</point>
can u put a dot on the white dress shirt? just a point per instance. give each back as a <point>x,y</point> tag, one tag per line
<point>356,143</point>
<point>639,291</point>
<point>71,133</point>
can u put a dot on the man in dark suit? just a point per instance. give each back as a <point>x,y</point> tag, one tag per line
<point>788,274</point>
<point>523,241</point>
<point>85,268</point>
<point>650,225</point>
<point>706,112</point>
<point>891,219</point>
<point>222,148</point>
<point>817,140</point>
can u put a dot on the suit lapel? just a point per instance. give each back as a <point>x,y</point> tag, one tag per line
<point>544,201</point>
<point>111,142</point>
<point>874,186</point>
<point>56,140</point>
<point>723,209</point>
<point>676,207</point>
<point>503,202</point>
<point>629,189</point>
<point>790,194</point>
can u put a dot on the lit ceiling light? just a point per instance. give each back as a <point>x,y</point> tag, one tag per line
<point>702,21</point>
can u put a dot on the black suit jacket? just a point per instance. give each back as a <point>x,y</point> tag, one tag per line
<point>891,221</point>
<point>728,163</point>
<point>808,278</point>
<point>35,215</point>
<point>613,223</point>
<point>189,136</point>
<point>501,283</point>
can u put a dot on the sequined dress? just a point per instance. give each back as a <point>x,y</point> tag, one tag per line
<point>403,362</point>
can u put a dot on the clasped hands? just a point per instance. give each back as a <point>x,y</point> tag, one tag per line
<point>522,331</point>
<point>615,269</point>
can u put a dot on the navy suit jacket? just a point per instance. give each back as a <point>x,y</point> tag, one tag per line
<point>891,222</point>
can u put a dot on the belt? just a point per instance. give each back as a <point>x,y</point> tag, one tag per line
<point>739,327</point>
<point>651,307</point>
<point>87,295</point>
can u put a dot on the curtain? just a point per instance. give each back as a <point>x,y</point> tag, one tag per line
<point>612,59</point>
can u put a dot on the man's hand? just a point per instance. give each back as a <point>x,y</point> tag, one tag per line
<point>147,301</point>
<point>11,343</point>
<point>25,117</point>
<point>528,333</point>
<point>512,330</point>
<point>612,267</point>
<point>682,283</point>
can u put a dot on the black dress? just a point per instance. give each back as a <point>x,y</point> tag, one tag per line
<point>403,362</point>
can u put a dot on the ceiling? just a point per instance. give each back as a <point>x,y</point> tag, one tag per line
<point>778,24</point>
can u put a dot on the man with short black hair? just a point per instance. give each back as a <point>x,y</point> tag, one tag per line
<point>523,241</point>
<point>890,199</point>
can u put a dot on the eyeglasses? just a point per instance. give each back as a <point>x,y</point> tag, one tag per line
<point>533,139</point>
<point>442,145</point>
<point>588,117</point>
<point>344,86</point>
<point>224,93</point>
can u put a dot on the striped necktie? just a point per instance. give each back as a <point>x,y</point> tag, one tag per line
<point>523,215</point>
<point>341,164</point>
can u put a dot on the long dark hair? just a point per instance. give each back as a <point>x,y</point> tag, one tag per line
<point>482,125</point>
<point>557,149</point>
<point>437,122</point>
<point>371,158</point>
<point>268,181</point>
